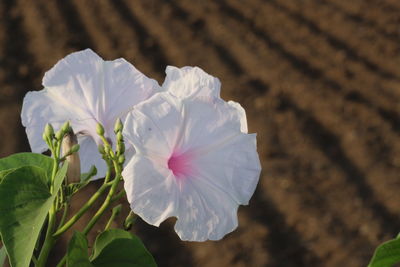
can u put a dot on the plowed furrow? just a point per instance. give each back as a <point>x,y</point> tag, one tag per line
<point>158,33</point>
<point>376,100</point>
<point>44,46</point>
<point>383,20</point>
<point>178,46</point>
<point>55,21</point>
<point>322,57</point>
<point>93,25</point>
<point>17,77</point>
<point>378,56</point>
<point>387,5</point>
<point>148,45</point>
<point>360,148</point>
<point>80,39</point>
<point>286,186</point>
<point>104,19</point>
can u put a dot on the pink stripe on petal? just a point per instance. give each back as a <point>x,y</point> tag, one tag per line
<point>181,164</point>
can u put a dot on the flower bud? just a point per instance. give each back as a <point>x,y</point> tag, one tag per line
<point>101,149</point>
<point>130,220</point>
<point>74,149</point>
<point>121,159</point>
<point>59,135</point>
<point>118,126</point>
<point>121,148</point>
<point>70,149</point>
<point>49,131</point>
<point>106,150</point>
<point>120,138</point>
<point>100,129</point>
<point>66,127</point>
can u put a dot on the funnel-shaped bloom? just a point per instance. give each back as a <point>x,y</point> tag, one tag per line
<point>86,90</point>
<point>194,160</point>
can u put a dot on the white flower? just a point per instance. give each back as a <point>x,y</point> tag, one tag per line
<point>86,90</point>
<point>189,82</point>
<point>194,160</point>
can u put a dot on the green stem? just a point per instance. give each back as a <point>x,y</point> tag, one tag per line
<point>64,216</point>
<point>112,217</point>
<point>103,207</point>
<point>79,214</point>
<point>108,175</point>
<point>100,211</point>
<point>118,196</point>
<point>49,239</point>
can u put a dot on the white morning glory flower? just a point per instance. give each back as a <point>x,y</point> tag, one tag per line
<point>189,82</point>
<point>86,90</point>
<point>194,161</point>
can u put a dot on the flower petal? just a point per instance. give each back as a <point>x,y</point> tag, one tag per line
<point>189,82</point>
<point>208,121</point>
<point>205,213</point>
<point>233,167</point>
<point>44,107</point>
<point>98,89</point>
<point>153,127</point>
<point>150,189</point>
<point>241,113</point>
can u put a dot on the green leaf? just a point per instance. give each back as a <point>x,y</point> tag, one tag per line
<point>3,256</point>
<point>25,200</point>
<point>387,254</point>
<point>116,247</point>
<point>112,247</point>
<point>77,254</point>
<point>15,161</point>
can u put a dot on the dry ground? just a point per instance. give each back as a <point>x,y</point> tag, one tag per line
<point>319,80</point>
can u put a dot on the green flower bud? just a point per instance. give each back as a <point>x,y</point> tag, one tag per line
<point>130,220</point>
<point>59,135</point>
<point>75,148</point>
<point>118,126</point>
<point>106,150</point>
<point>49,131</point>
<point>121,159</point>
<point>120,138</point>
<point>101,149</point>
<point>66,128</point>
<point>121,148</point>
<point>100,129</point>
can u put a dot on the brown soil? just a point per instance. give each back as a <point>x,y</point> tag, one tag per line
<point>319,80</point>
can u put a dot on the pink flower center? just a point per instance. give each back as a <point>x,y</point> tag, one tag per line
<point>180,164</point>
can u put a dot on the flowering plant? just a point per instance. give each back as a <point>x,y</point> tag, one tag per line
<point>179,149</point>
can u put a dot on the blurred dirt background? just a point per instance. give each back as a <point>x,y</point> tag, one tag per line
<point>319,79</point>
